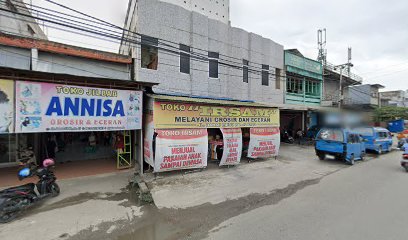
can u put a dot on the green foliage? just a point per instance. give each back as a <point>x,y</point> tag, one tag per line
<point>385,114</point>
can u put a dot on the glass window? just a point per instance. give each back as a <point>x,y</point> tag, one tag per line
<point>149,55</point>
<point>364,131</point>
<point>184,59</point>
<point>331,135</point>
<point>213,64</point>
<point>277,78</point>
<point>265,75</point>
<point>245,70</point>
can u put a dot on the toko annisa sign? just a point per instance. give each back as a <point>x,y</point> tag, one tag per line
<point>48,107</point>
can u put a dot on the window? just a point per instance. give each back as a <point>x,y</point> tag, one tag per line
<point>277,78</point>
<point>245,70</point>
<point>184,59</point>
<point>265,75</point>
<point>364,131</point>
<point>312,88</point>
<point>213,64</point>
<point>294,85</point>
<point>149,58</point>
<point>331,135</point>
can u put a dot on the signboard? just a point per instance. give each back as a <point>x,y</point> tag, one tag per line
<point>181,149</point>
<point>303,66</point>
<point>6,106</point>
<point>264,142</point>
<point>188,115</point>
<point>48,107</point>
<point>232,146</point>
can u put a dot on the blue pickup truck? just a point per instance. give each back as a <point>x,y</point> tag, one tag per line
<point>343,144</point>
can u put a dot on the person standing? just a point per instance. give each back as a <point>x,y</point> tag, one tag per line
<point>51,147</point>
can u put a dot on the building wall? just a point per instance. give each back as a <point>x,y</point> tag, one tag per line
<point>12,23</point>
<point>358,95</point>
<point>214,9</point>
<point>178,25</point>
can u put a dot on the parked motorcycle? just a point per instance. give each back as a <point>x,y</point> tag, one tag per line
<point>287,138</point>
<point>16,199</point>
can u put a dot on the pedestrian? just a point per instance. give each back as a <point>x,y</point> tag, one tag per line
<point>51,147</point>
<point>299,135</point>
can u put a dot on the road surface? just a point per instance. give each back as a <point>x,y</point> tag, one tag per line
<point>366,201</point>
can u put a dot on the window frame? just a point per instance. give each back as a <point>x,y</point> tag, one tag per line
<point>265,75</point>
<point>185,53</point>
<point>245,71</point>
<point>213,57</point>
<point>148,43</point>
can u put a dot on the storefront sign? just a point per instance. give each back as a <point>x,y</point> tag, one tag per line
<point>6,106</point>
<point>181,149</point>
<point>148,140</point>
<point>185,115</point>
<point>47,107</point>
<point>264,142</point>
<point>232,146</point>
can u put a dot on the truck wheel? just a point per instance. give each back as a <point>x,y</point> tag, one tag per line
<point>321,156</point>
<point>362,156</point>
<point>380,151</point>
<point>351,160</point>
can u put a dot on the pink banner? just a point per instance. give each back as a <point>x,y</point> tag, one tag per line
<point>48,107</point>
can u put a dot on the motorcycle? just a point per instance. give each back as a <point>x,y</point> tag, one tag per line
<point>287,138</point>
<point>14,200</point>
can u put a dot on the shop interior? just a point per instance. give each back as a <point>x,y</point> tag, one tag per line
<point>76,153</point>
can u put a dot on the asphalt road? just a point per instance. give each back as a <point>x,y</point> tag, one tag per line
<point>366,201</point>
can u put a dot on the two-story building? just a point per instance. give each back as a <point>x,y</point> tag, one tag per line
<point>213,79</point>
<point>304,82</point>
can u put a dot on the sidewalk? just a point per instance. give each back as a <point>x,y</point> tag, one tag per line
<point>295,163</point>
<point>84,203</point>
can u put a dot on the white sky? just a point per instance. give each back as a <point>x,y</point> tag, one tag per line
<point>377,30</point>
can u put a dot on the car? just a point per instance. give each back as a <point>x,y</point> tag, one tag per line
<point>377,139</point>
<point>343,144</point>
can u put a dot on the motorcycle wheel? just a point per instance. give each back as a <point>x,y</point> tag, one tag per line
<point>54,189</point>
<point>6,217</point>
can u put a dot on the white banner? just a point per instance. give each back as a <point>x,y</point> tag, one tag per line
<point>181,149</point>
<point>48,107</point>
<point>232,138</point>
<point>264,142</point>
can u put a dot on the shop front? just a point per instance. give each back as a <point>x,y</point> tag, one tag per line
<point>75,125</point>
<point>190,133</point>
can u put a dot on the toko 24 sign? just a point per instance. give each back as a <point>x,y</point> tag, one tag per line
<point>47,107</point>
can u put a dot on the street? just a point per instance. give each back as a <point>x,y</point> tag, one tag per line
<point>366,201</point>
<point>294,197</point>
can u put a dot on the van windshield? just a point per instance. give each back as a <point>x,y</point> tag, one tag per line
<point>364,131</point>
<point>331,135</point>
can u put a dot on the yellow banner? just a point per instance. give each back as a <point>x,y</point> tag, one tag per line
<point>169,115</point>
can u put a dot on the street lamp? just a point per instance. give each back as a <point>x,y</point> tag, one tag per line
<point>342,67</point>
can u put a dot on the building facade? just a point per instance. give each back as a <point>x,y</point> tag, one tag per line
<point>304,79</point>
<point>362,96</point>
<point>215,9</point>
<point>11,22</point>
<point>189,53</point>
<point>397,98</point>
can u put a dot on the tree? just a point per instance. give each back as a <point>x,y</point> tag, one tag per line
<point>385,114</point>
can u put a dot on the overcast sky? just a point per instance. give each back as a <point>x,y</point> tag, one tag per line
<point>377,30</point>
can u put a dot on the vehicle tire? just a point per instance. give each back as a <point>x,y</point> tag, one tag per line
<point>321,156</point>
<point>6,217</point>
<point>389,148</point>
<point>363,156</point>
<point>380,151</point>
<point>351,160</point>
<point>54,189</point>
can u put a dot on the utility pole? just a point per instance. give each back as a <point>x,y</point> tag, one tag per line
<point>342,67</point>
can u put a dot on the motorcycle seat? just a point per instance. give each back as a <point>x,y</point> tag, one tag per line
<point>29,187</point>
